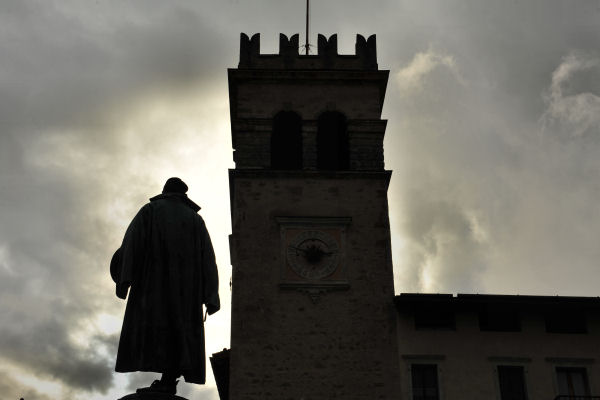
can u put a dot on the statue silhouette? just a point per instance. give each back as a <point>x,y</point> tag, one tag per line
<point>167,264</point>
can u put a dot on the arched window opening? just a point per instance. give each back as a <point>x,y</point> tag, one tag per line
<point>286,141</point>
<point>332,142</point>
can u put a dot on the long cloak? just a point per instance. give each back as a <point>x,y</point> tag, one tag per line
<point>168,261</point>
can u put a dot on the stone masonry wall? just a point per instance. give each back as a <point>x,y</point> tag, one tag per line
<point>284,346</point>
<point>256,96</point>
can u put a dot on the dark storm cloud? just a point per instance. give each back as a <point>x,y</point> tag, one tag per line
<point>44,285</point>
<point>68,63</point>
<point>509,48</point>
<point>498,123</point>
<point>45,348</point>
<point>12,389</point>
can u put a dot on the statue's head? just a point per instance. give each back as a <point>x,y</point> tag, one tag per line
<point>175,185</point>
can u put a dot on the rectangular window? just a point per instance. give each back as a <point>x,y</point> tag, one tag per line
<point>424,382</point>
<point>500,319</point>
<point>512,382</point>
<point>572,382</point>
<point>565,321</point>
<point>436,318</point>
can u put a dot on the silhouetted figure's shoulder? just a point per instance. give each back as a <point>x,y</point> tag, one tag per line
<point>167,198</point>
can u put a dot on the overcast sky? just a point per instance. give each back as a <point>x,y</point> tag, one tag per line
<point>493,137</point>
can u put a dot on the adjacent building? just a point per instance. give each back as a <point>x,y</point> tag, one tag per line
<point>498,347</point>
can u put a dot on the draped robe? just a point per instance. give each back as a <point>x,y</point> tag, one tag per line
<point>168,262</point>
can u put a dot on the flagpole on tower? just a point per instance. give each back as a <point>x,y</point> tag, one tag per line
<point>306,45</point>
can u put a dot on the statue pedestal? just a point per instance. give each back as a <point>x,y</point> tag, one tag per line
<point>151,396</point>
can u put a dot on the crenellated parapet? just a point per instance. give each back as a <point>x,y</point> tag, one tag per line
<point>289,57</point>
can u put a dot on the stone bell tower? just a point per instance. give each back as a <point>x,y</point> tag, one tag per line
<point>312,289</point>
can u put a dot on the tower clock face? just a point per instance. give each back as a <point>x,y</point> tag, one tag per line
<point>313,254</point>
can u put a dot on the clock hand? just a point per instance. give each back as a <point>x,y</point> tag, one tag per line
<point>328,253</point>
<point>298,249</point>
<point>325,253</point>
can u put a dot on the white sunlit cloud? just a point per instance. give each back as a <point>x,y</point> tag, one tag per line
<point>573,113</point>
<point>412,77</point>
<point>5,260</point>
<point>442,231</point>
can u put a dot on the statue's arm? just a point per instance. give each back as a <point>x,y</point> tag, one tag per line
<point>210,275</point>
<point>132,251</point>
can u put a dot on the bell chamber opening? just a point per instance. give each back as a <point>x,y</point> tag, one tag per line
<point>286,141</point>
